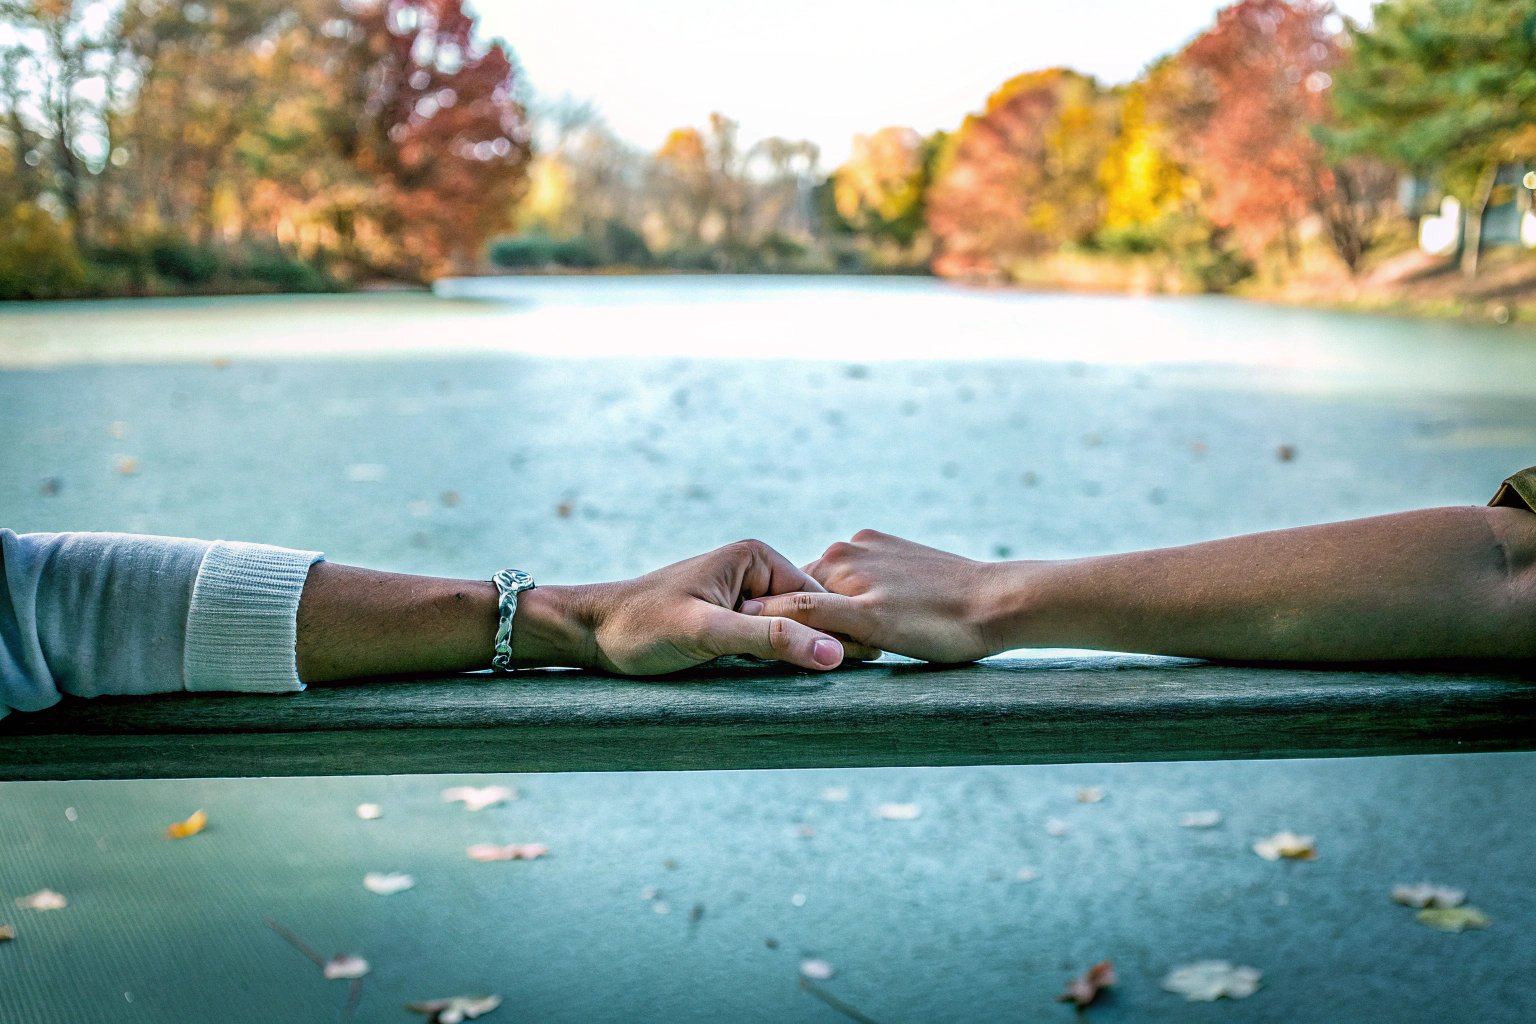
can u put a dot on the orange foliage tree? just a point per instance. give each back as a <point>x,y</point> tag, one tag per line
<point>1020,179</point>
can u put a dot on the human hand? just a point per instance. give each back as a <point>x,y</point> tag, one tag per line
<point>894,595</point>
<point>677,617</point>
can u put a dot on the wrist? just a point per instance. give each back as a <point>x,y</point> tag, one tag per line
<point>551,628</point>
<point>1006,604</point>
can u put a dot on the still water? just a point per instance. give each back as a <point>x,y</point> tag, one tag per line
<point>594,428</point>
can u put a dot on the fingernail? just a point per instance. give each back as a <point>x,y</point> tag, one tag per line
<point>827,652</point>
<point>751,607</point>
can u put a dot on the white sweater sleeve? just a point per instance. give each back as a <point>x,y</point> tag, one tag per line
<point>109,613</point>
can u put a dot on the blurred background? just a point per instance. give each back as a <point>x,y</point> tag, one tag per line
<point>590,288</point>
<point>1369,156</point>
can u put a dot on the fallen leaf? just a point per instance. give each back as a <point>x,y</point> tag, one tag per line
<point>515,851</point>
<point>387,885</point>
<point>479,799</point>
<point>455,1009</point>
<point>1209,980</point>
<point>1452,919</point>
<point>1086,989</point>
<point>804,831</point>
<point>564,509</point>
<point>345,966</point>
<point>661,907</point>
<point>649,893</point>
<point>450,498</point>
<point>1285,453</point>
<point>1425,894</point>
<point>1091,795</point>
<point>70,814</point>
<point>43,899</point>
<point>1200,819</point>
<point>127,465</point>
<point>369,811</point>
<point>1288,845</point>
<point>191,827</point>
<point>818,969</point>
<point>898,812</point>
<point>835,794</point>
<point>51,486</point>
<point>1056,827</point>
<point>7,933</point>
<point>1027,874</point>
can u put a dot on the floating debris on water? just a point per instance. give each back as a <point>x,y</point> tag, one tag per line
<point>479,799</point>
<point>1209,980</point>
<point>898,812</point>
<point>43,899</point>
<point>387,884</point>
<point>1288,845</point>
<point>1426,894</point>
<point>368,812</point>
<point>191,827</point>
<point>1200,819</point>
<point>1085,989</point>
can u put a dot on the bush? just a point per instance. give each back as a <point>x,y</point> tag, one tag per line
<point>523,251</point>
<point>177,258</point>
<point>38,257</point>
<point>622,244</point>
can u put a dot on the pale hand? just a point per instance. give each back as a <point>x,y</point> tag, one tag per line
<point>894,595</point>
<point>685,614</point>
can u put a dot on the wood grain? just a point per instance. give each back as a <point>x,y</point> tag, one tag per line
<point>743,715</point>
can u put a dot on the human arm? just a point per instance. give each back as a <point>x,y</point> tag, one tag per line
<point>90,614</point>
<point>358,622</point>
<point>1435,583</point>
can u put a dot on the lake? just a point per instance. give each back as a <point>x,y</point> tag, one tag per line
<point>592,428</point>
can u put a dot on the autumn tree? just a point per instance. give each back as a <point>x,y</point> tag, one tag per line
<point>1444,87</point>
<point>882,189</point>
<point>1267,66</point>
<point>1020,179</point>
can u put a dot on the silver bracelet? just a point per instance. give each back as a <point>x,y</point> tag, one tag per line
<point>509,583</point>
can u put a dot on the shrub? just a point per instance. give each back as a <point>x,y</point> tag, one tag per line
<point>180,260</point>
<point>38,257</point>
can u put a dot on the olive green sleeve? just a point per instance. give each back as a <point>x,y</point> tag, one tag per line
<point>1519,491</point>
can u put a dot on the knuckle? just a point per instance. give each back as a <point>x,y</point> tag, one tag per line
<point>867,535</point>
<point>838,551</point>
<point>778,635</point>
<point>803,602</point>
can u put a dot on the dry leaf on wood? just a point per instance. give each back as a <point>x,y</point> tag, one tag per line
<point>898,812</point>
<point>1085,989</point>
<point>1091,795</point>
<point>1056,827</point>
<point>191,827</point>
<point>345,965</point>
<point>818,969</point>
<point>1200,819</point>
<point>479,799</point>
<point>43,899</point>
<point>1452,919</point>
<point>1209,980</point>
<point>387,885</point>
<point>1288,845</point>
<point>512,851</point>
<point>7,933</point>
<point>369,811</point>
<point>455,1009</point>
<point>1427,894</point>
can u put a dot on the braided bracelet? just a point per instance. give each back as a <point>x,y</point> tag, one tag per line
<point>509,583</point>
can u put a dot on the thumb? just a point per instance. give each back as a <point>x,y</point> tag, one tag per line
<point>772,637</point>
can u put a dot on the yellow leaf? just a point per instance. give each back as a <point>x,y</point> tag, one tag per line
<point>191,827</point>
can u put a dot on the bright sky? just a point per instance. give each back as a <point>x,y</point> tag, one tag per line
<point>824,69</point>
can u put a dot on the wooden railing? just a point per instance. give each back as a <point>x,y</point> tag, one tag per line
<point>1087,709</point>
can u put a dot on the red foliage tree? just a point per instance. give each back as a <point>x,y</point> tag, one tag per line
<point>432,122</point>
<point>1265,68</point>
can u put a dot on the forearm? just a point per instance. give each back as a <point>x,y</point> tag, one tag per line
<point>356,622</point>
<point>1449,582</point>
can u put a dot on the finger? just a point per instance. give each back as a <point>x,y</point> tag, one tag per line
<point>855,651</point>
<point>832,612</point>
<point>772,637</point>
<point>783,575</point>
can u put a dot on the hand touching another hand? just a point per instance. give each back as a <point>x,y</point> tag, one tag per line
<point>675,617</point>
<point>894,595</point>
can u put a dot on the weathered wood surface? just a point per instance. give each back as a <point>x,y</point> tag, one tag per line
<point>1109,708</point>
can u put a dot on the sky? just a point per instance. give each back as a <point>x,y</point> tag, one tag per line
<point>824,70</point>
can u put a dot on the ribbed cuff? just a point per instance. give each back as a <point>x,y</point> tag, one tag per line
<point>242,626</point>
